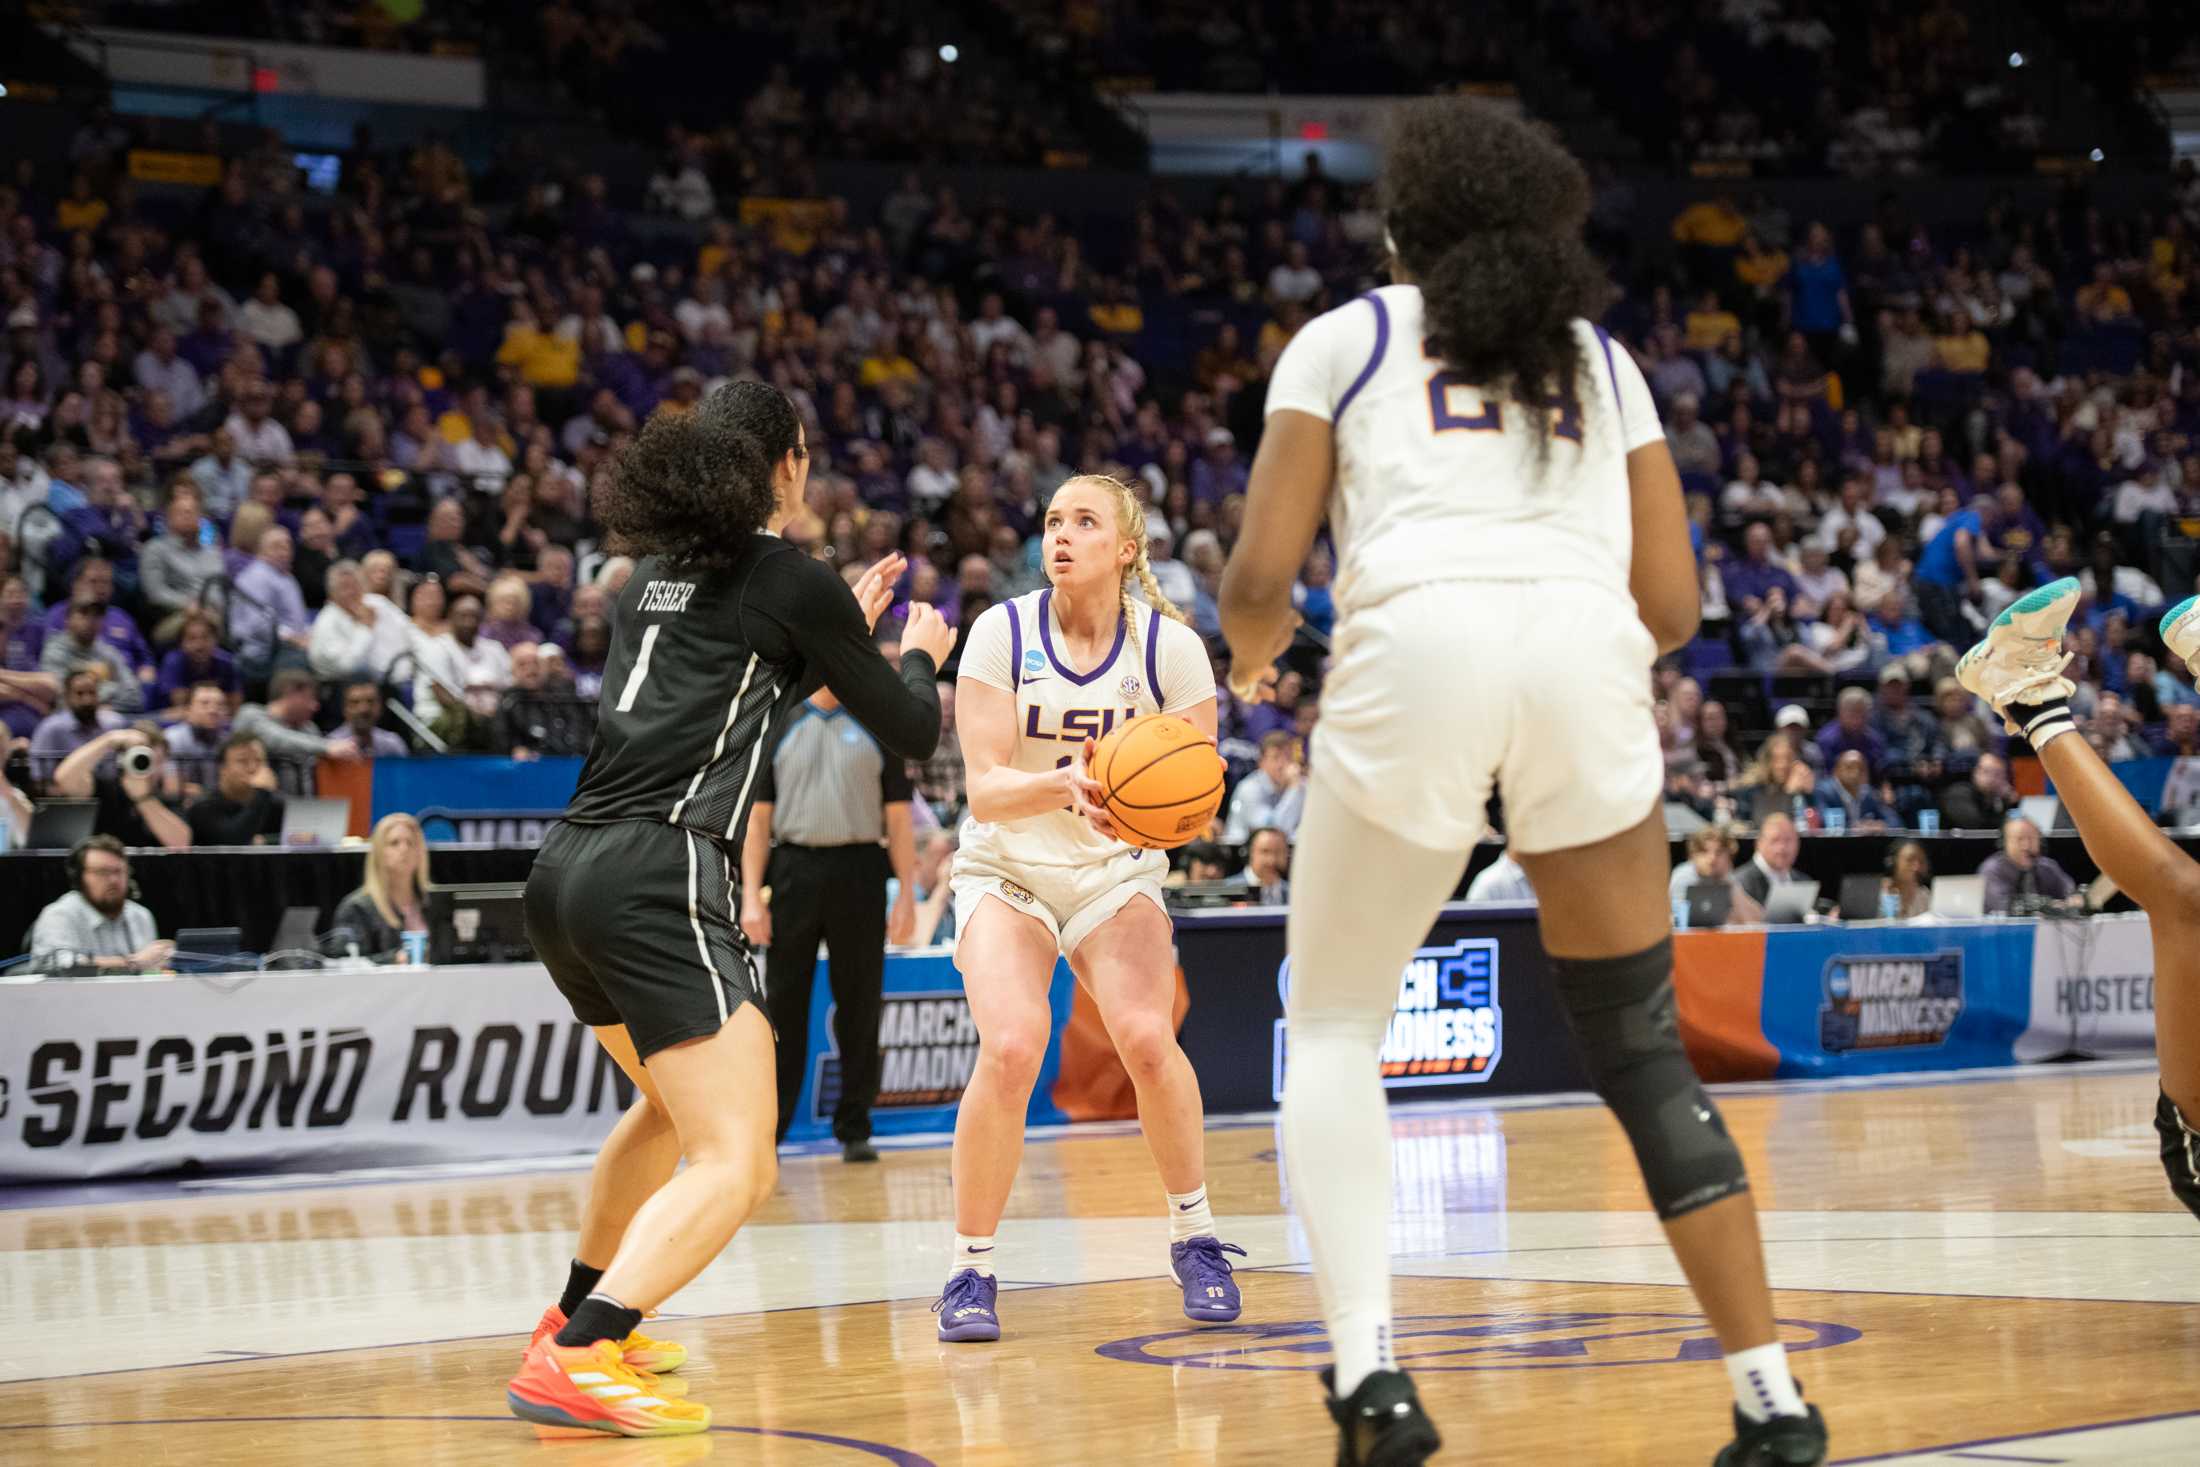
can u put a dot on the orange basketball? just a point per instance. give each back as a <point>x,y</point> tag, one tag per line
<point>1161,780</point>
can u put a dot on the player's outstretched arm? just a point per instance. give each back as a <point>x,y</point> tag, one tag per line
<point>820,615</point>
<point>1285,499</point>
<point>1663,575</point>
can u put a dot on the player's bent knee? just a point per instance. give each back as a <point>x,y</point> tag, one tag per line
<point>2181,902</point>
<point>1014,1053</point>
<point>1145,1046</point>
<point>1622,1014</point>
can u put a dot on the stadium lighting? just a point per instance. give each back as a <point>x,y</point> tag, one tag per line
<point>949,54</point>
<point>3,89</point>
<point>2097,155</point>
<point>2016,59</point>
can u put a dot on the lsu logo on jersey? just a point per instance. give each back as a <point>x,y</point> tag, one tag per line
<point>1075,725</point>
<point>1447,1028</point>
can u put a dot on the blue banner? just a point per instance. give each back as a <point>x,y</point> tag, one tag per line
<point>472,793</point>
<point>927,1047</point>
<point>1870,1000</point>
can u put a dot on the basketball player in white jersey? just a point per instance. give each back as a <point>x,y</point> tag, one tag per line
<point>1512,557</point>
<point>1041,872</point>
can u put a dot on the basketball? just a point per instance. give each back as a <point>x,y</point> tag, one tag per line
<point>1161,780</point>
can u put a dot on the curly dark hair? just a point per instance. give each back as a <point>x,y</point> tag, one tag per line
<point>1486,212</point>
<point>693,486</point>
<point>760,410</point>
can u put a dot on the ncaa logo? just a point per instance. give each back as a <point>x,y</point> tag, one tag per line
<point>1448,1027</point>
<point>1034,659</point>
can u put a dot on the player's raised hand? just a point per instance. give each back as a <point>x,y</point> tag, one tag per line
<point>875,587</point>
<point>927,631</point>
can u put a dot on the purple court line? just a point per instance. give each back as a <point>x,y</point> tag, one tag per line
<point>2022,1436</point>
<point>2003,1457</point>
<point>899,1456</point>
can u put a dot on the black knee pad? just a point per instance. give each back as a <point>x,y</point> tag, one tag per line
<point>2180,1153</point>
<point>1622,1014</point>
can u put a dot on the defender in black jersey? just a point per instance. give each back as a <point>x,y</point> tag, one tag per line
<point>722,631</point>
<point>635,899</point>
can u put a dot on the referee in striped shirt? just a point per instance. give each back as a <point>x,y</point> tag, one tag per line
<point>831,822</point>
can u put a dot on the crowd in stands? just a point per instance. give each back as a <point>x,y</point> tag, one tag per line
<point>1804,86</point>
<point>313,460</point>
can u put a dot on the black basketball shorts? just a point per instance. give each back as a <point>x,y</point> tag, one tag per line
<point>636,922</point>
<point>2180,1154</point>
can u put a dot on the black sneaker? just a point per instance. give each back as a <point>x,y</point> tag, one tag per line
<point>858,1151</point>
<point>1381,1424</point>
<point>1783,1441</point>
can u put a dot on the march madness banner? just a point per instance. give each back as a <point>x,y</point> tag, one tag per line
<point>386,1066</point>
<point>928,1045</point>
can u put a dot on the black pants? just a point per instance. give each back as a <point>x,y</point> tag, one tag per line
<point>837,894</point>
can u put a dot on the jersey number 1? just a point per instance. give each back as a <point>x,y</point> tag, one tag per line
<point>641,669</point>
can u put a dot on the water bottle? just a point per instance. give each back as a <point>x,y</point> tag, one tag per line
<point>1680,914</point>
<point>1890,907</point>
<point>1837,820</point>
<point>1928,822</point>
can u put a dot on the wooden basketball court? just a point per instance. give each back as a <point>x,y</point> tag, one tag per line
<point>1970,1270</point>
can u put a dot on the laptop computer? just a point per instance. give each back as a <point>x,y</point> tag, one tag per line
<point>2042,810</point>
<point>1959,896</point>
<point>484,922</point>
<point>210,941</point>
<point>1860,898</point>
<point>315,822</point>
<point>1791,901</point>
<point>57,825</point>
<point>299,928</point>
<point>1710,904</point>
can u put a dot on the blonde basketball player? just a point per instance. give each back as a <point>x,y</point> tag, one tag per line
<point>1041,872</point>
<point>1513,555</point>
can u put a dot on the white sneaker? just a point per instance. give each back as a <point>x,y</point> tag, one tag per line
<point>2021,660</point>
<point>2181,630</point>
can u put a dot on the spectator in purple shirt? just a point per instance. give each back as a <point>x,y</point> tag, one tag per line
<point>267,614</point>
<point>80,720</point>
<point>1852,729</point>
<point>196,658</point>
<point>26,694</point>
<point>1219,473</point>
<point>95,581</point>
<point>1756,572</point>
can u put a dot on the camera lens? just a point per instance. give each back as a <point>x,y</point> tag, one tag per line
<point>136,760</point>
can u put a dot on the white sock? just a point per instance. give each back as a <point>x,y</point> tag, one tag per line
<point>1188,1215</point>
<point>1365,899</point>
<point>1762,1386</point>
<point>974,1253</point>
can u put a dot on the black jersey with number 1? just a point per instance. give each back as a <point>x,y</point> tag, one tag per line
<point>703,668</point>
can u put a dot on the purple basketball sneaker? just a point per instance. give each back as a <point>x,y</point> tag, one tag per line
<point>965,1308</point>
<point>1210,1294</point>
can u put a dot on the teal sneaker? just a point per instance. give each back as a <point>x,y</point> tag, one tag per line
<point>2022,660</point>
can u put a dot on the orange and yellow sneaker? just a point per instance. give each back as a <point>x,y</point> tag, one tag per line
<point>590,1387</point>
<point>638,1350</point>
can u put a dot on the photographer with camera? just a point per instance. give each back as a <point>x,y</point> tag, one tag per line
<point>137,803</point>
<point>95,929</point>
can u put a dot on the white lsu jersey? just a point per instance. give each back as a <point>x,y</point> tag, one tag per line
<point>1157,666</point>
<point>1436,482</point>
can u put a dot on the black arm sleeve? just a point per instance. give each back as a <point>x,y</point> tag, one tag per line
<point>895,786</point>
<point>817,612</point>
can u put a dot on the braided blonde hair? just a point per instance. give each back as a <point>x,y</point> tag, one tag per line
<point>1130,518</point>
